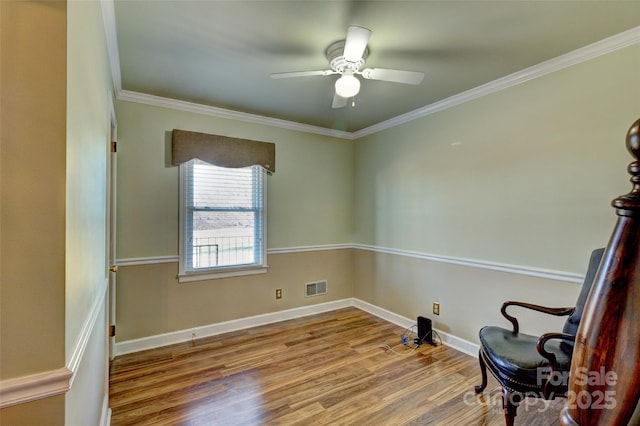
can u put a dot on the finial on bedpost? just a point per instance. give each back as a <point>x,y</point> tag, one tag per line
<point>629,204</point>
<point>633,139</point>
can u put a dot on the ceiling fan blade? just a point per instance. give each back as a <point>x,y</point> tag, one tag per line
<point>356,43</point>
<point>338,101</point>
<point>395,76</point>
<point>302,73</point>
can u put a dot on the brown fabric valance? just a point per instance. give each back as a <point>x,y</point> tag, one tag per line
<point>221,151</point>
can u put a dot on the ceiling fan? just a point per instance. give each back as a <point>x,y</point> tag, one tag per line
<point>347,57</point>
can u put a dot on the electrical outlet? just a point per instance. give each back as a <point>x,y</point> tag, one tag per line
<point>278,293</point>
<point>436,308</point>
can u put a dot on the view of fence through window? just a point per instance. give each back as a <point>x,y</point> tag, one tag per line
<point>225,215</point>
<point>223,247</point>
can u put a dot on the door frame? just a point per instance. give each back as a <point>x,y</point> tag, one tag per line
<point>112,169</point>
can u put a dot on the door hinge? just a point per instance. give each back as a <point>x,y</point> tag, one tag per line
<point>112,331</point>
<point>114,146</point>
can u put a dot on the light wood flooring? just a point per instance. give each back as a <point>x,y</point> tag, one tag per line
<point>334,368</point>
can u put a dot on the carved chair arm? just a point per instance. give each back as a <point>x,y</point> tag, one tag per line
<point>548,388</point>
<point>542,340</point>
<point>551,311</point>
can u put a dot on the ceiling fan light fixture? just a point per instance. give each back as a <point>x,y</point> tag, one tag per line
<point>347,86</point>
<point>347,57</point>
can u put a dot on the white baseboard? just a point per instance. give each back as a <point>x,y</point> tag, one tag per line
<point>448,339</point>
<point>459,344</point>
<point>105,414</point>
<point>392,317</point>
<point>181,336</point>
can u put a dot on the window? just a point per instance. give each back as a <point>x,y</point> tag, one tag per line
<point>222,221</point>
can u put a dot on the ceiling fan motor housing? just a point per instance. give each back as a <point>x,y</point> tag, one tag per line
<point>337,61</point>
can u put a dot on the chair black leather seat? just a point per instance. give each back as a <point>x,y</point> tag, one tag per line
<point>516,359</point>
<point>523,363</point>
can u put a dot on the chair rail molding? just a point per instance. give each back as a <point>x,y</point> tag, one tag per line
<point>20,390</point>
<point>472,263</point>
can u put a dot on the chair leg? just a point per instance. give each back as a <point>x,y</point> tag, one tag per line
<point>510,402</point>
<point>483,371</point>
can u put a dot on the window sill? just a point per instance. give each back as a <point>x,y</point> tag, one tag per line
<point>211,275</point>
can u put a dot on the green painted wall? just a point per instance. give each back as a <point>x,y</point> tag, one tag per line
<point>309,198</point>
<point>88,139</point>
<point>309,203</point>
<point>520,177</point>
<point>523,176</point>
<point>88,136</point>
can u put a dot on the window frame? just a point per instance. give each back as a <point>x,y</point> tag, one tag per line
<point>189,275</point>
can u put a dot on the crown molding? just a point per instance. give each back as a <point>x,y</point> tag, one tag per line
<point>583,54</point>
<point>111,38</point>
<point>143,98</point>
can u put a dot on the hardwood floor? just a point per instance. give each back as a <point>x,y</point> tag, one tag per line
<point>330,368</point>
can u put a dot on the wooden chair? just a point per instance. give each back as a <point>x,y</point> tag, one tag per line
<point>527,365</point>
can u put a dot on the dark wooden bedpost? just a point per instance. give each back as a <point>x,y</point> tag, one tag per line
<point>605,372</point>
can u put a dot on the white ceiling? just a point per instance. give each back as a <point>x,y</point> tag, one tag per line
<point>221,53</point>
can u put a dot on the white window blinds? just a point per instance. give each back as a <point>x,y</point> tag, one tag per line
<point>222,223</point>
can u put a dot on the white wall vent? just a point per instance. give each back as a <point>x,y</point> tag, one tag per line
<point>315,288</point>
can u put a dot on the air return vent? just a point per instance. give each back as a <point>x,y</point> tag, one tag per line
<point>315,288</point>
